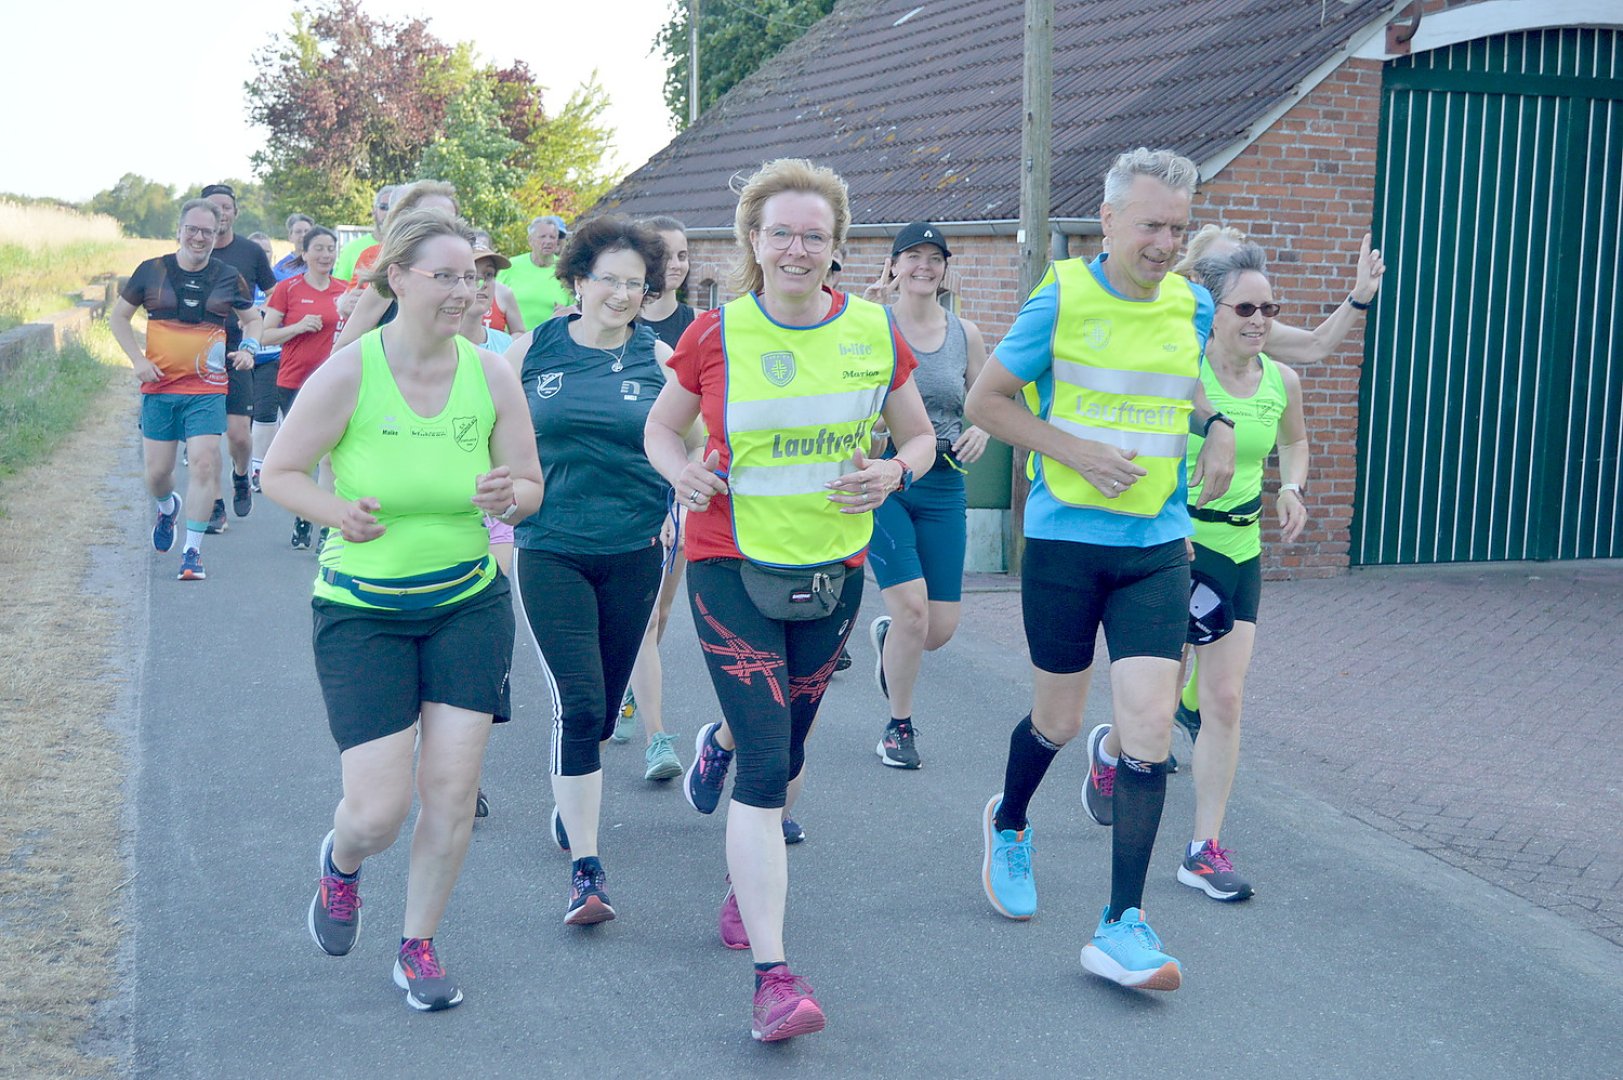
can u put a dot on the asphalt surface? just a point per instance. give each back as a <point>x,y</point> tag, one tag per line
<point>1359,955</point>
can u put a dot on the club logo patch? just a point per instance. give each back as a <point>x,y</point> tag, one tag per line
<point>549,384</point>
<point>465,430</point>
<point>1096,332</point>
<point>778,367</point>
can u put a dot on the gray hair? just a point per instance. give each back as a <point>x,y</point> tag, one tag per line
<point>1219,272</point>
<point>294,219</point>
<point>1168,166</point>
<point>199,204</point>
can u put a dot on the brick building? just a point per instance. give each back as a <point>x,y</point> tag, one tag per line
<point>1482,142</point>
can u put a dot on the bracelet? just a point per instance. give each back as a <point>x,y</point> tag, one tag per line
<point>1358,305</point>
<point>250,344</point>
<point>1295,489</point>
<point>1215,418</point>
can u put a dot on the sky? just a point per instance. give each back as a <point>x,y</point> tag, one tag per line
<point>140,70</point>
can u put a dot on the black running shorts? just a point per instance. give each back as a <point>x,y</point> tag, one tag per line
<point>1070,589</point>
<point>377,667</point>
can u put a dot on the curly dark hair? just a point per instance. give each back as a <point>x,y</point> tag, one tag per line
<point>611,233</point>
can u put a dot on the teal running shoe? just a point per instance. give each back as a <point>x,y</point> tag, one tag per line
<point>625,725</point>
<point>660,760</point>
<point>1128,953</point>
<point>1006,867</point>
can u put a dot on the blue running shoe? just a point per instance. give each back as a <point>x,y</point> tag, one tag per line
<point>1128,952</point>
<point>1006,867</point>
<point>708,773</point>
<point>792,832</point>
<point>163,530</point>
<point>191,566</point>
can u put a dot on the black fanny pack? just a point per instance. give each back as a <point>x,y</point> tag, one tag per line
<point>1245,514</point>
<point>794,593</point>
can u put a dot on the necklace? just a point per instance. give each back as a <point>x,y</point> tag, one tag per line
<point>620,360</point>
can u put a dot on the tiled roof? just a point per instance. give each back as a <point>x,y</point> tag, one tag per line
<point>921,115</point>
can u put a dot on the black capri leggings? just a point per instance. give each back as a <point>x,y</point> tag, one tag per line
<point>587,614</point>
<point>769,676</point>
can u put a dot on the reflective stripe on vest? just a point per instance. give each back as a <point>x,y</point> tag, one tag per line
<point>1125,373</point>
<point>800,401</point>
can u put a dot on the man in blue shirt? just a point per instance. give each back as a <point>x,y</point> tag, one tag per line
<point>1112,350</point>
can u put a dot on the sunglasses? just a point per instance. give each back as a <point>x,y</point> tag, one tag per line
<point>1245,311</point>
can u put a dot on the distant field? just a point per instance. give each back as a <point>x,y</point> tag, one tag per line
<point>48,254</point>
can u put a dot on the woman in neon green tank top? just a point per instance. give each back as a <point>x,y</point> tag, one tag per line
<point>1265,400</point>
<point>413,624</point>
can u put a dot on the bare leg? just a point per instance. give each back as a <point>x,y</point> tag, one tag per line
<point>759,866</point>
<point>202,475</point>
<point>377,798</point>
<point>453,750</point>
<point>1223,666</point>
<point>580,804</point>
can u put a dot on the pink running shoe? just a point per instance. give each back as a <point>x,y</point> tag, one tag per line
<point>784,1007</point>
<point>733,934</point>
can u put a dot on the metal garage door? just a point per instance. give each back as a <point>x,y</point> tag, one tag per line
<point>1491,403</point>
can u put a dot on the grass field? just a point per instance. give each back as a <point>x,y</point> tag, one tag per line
<point>47,255</point>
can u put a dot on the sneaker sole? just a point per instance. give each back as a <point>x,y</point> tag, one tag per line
<point>806,1019</point>
<point>315,902</point>
<point>593,911</point>
<point>191,575</point>
<point>665,770</point>
<point>886,758</point>
<point>419,1004</point>
<point>1095,737</point>
<point>986,861</point>
<point>1196,881</point>
<point>1166,977</point>
<point>878,658</point>
<point>698,756</point>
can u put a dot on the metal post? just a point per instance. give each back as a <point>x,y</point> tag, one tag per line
<point>693,62</point>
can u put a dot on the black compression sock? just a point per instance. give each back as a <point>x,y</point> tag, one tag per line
<point>1029,757</point>
<point>1141,792</point>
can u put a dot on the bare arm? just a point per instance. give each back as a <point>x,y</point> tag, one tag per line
<point>118,321</point>
<point>696,482</point>
<point>369,308</point>
<point>971,443</point>
<point>515,470</point>
<point>277,334</point>
<point>1293,345</point>
<point>1293,458</point>
<point>509,305</point>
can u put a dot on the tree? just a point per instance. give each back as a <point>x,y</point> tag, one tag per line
<point>735,38</point>
<point>475,151</point>
<point>350,103</point>
<point>144,207</point>
<point>568,158</point>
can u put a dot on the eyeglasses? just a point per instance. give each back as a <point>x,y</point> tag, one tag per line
<point>447,280</point>
<point>813,241</point>
<point>633,287</point>
<point>199,230</point>
<point>1245,311</point>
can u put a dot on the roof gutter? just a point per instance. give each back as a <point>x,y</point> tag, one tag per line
<point>1009,228</point>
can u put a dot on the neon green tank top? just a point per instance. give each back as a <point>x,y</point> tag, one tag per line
<point>1256,430</point>
<point>423,471</point>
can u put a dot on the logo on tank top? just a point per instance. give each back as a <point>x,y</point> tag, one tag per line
<point>549,384</point>
<point>778,367</point>
<point>465,431</point>
<point>1096,332</point>
<point>631,389</point>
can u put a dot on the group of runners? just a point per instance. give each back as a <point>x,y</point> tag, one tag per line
<point>452,420</point>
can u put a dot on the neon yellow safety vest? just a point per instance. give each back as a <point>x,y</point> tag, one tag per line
<point>1125,373</point>
<point>799,401</point>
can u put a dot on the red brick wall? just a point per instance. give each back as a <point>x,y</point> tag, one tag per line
<point>1305,192</point>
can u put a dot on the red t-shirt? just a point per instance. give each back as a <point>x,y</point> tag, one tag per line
<point>295,298</point>
<point>495,318</point>
<point>700,365</point>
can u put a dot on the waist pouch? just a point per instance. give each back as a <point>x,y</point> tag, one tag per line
<point>794,593</point>
<point>1240,516</point>
<point>410,593</point>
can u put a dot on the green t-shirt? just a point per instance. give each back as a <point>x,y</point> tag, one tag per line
<point>345,266</point>
<point>537,289</point>
<point>1256,430</point>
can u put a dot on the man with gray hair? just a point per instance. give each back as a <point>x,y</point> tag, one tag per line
<point>1108,355</point>
<point>533,276</point>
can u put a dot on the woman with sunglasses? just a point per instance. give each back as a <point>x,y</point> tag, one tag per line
<point>588,564</point>
<point>413,627</point>
<point>790,379</point>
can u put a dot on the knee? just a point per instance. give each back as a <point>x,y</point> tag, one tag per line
<point>447,795</point>
<point>1057,729</point>
<point>375,819</point>
<point>763,778</point>
<point>1220,703</point>
<point>204,466</point>
<point>942,627</point>
<point>910,614</point>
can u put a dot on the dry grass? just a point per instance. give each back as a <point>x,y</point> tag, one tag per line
<point>38,226</point>
<point>62,766</point>
<point>48,254</point>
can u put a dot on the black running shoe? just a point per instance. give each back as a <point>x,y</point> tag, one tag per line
<point>896,747</point>
<point>587,902</point>
<point>417,971</point>
<point>844,661</point>
<point>1189,720</point>
<point>217,523</point>
<point>481,805</point>
<point>558,832</point>
<point>792,832</point>
<point>301,533</point>
<point>335,913</point>
<point>242,497</point>
<point>876,636</point>
<point>1211,871</point>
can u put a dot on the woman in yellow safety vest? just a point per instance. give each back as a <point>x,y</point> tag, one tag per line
<point>790,379</point>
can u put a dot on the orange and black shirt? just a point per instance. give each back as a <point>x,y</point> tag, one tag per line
<point>187,312</point>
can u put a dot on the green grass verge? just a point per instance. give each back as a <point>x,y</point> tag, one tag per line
<point>35,282</point>
<point>43,398</point>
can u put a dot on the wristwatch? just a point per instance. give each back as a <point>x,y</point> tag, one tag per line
<point>1215,418</point>
<point>506,516</point>
<point>1291,487</point>
<point>907,475</point>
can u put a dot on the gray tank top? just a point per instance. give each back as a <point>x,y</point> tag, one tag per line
<point>940,379</point>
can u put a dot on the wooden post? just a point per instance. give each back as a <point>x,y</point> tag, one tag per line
<point>693,62</point>
<point>1036,130</point>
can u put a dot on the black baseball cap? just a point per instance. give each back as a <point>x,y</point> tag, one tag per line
<point>218,189</point>
<point>916,233</point>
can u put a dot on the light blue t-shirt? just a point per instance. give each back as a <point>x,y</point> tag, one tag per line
<point>1026,350</point>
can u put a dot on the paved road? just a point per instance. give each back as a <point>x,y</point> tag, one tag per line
<point>1360,956</point>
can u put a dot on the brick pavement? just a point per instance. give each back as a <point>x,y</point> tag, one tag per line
<point>1470,711</point>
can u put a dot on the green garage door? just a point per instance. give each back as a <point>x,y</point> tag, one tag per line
<point>1491,402</point>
